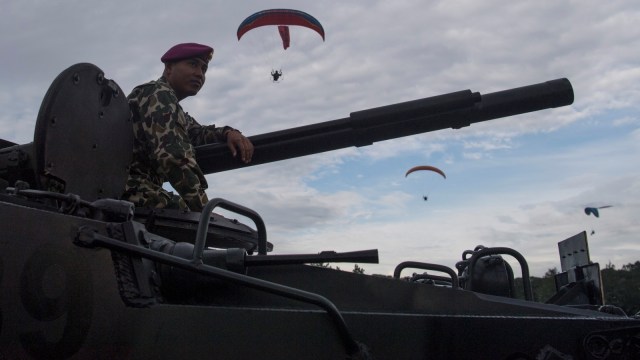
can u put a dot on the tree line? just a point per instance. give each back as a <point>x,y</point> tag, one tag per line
<point>621,287</point>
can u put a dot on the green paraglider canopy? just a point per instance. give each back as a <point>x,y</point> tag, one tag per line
<point>594,210</point>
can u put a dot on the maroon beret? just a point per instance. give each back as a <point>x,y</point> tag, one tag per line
<point>187,51</point>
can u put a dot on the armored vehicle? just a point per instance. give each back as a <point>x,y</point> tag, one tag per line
<point>84,275</point>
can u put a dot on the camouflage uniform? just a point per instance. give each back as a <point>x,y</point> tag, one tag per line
<point>165,137</point>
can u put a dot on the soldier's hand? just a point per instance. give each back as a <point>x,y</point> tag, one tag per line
<point>238,143</point>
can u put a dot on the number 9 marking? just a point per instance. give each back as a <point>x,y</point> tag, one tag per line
<point>56,290</point>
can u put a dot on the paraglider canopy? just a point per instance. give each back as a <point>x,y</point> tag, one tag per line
<point>594,210</point>
<point>282,18</point>
<point>425,167</point>
<point>428,168</point>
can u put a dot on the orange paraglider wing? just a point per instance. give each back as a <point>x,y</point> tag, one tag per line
<point>425,167</point>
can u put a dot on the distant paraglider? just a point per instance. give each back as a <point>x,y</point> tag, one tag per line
<point>282,19</point>
<point>594,210</point>
<point>427,168</point>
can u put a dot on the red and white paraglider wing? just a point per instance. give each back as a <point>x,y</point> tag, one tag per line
<point>282,18</point>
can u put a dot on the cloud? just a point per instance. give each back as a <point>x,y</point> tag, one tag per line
<point>519,181</point>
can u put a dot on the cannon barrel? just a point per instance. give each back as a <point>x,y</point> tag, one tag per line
<point>453,110</point>
<point>361,256</point>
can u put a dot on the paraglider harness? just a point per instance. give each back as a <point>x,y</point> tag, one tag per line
<point>276,74</point>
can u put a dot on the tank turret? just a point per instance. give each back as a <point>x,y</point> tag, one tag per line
<point>84,275</point>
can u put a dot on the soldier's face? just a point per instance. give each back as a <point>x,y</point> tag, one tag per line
<point>186,77</point>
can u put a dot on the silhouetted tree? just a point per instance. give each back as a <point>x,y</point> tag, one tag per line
<point>356,269</point>
<point>621,287</point>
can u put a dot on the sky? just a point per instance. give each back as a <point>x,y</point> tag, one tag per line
<point>520,182</point>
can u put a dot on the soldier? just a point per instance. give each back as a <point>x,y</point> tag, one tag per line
<point>165,135</point>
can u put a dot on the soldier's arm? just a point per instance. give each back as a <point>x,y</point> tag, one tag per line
<point>202,135</point>
<point>236,142</point>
